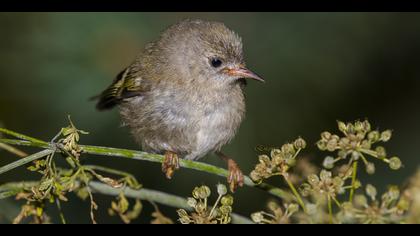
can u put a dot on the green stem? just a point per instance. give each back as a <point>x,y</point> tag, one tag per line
<point>295,192</point>
<point>144,156</point>
<point>11,189</point>
<point>330,209</point>
<point>21,136</point>
<point>337,202</point>
<point>353,181</point>
<point>363,158</point>
<point>25,160</point>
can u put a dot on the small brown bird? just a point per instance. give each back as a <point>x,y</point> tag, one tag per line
<point>182,96</point>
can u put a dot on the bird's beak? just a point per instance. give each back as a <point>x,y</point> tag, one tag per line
<point>242,72</point>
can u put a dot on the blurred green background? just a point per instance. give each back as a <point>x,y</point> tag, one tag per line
<point>319,67</point>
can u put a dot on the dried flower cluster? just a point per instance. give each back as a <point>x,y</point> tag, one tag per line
<point>358,141</point>
<point>71,140</point>
<point>323,196</point>
<point>276,214</point>
<point>56,182</point>
<point>390,208</point>
<point>323,186</point>
<point>412,196</point>
<point>332,194</point>
<point>219,213</point>
<point>121,208</point>
<point>279,161</point>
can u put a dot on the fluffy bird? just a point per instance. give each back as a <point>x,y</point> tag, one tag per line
<point>183,95</point>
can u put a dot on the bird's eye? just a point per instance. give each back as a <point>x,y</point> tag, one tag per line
<point>215,62</point>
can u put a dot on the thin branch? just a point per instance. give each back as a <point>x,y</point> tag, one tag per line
<point>21,136</point>
<point>25,160</point>
<point>11,189</point>
<point>157,196</point>
<point>353,181</point>
<point>144,194</point>
<point>144,156</point>
<point>13,150</point>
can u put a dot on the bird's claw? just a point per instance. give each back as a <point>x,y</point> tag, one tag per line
<point>235,177</point>
<point>170,164</point>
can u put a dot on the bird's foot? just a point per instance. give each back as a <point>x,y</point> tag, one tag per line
<point>235,177</point>
<point>170,164</point>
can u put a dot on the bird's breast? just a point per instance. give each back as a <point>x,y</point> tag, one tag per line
<point>188,122</point>
<point>217,122</point>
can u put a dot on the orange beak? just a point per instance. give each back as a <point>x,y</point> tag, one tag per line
<point>242,72</point>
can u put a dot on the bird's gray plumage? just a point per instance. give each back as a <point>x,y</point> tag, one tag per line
<point>172,99</point>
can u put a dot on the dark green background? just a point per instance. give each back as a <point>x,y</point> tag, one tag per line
<point>319,67</point>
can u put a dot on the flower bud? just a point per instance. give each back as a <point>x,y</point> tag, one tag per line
<point>225,209</point>
<point>221,189</point>
<point>227,200</point>
<point>264,159</point>
<point>288,148</point>
<point>360,200</point>
<point>381,152</point>
<point>322,144</point>
<point>200,207</point>
<point>300,143</point>
<point>371,191</point>
<point>324,175</point>
<point>355,155</point>
<point>342,126</point>
<point>313,179</point>
<point>366,126</point>
<point>358,126</point>
<point>257,217</point>
<point>326,135</point>
<point>373,136</point>
<point>370,168</point>
<point>275,152</point>
<point>201,192</point>
<point>386,135</point>
<point>328,162</point>
<point>332,145</point>
<point>395,163</point>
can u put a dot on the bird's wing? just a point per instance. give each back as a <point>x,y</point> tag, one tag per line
<point>126,85</point>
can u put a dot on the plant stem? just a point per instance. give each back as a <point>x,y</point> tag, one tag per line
<point>215,204</point>
<point>60,211</point>
<point>13,150</point>
<point>353,181</point>
<point>21,136</point>
<point>155,196</point>
<point>11,189</point>
<point>108,170</point>
<point>144,156</point>
<point>143,194</point>
<point>25,160</point>
<point>295,192</point>
<point>330,209</point>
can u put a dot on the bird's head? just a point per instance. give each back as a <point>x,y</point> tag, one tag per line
<point>207,52</point>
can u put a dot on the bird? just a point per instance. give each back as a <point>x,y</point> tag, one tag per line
<point>183,95</point>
